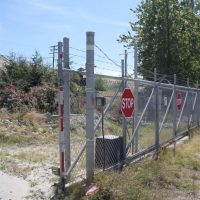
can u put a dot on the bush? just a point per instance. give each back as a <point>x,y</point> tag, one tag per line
<point>41,98</point>
<point>100,84</point>
<point>44,98</point>
<point>25,74</point>
<point>9,96</point>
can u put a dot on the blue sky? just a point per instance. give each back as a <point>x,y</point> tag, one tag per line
<point>29,25</point>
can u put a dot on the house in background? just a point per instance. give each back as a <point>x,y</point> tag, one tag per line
<point>3,61</point>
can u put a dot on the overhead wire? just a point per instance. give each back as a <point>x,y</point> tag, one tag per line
<point>77,49</point>
<point>149,74</point>
<point>108,69</point>
<point>101,61</point>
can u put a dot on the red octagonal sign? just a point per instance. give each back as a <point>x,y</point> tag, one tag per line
<point>127,103</point>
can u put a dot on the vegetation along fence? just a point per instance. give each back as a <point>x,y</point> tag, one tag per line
<point>96,135</point>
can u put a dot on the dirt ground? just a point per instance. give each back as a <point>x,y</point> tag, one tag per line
<point>12,187</point>
<point>28,151</point>
<point>27,175</point>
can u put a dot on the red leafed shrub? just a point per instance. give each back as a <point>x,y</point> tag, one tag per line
<point>44,98</point>
<point>40,98</point>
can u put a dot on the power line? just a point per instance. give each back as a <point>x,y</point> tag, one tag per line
<point>53,50</point>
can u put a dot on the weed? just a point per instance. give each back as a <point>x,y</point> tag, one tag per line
<point>73,192</point>
<point>2,166</point>
<point>103,194</point>
<point>195,177</point>
<point>177,175</point>
<point>11,139</point>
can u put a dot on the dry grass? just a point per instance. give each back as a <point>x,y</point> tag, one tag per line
<point>30,156</point>
<point>4,114</point>
<point>35,117</point>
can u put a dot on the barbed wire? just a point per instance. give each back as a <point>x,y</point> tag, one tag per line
<point>107,56</point>
<point>77,49</point>
<point>101,61</point>
<point>108,69</point>
<point>75,55</point>
<point>83,65</point>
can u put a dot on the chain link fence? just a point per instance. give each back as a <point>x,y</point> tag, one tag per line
<point>117,139</point>
<point>99,134</point>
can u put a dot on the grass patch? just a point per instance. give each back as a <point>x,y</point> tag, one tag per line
<point>31,156</point>
<point>4,138</point>
<point>73,192</point>
<point>7,138</point>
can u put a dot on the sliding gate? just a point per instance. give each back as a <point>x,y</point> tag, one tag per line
<point>96,136</point>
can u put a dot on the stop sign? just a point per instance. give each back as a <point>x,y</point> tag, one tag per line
<point>179,101</point>
<point>127,103</point>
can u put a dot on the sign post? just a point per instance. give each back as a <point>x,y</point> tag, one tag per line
<point>127,103</point>
<point>179,101</point>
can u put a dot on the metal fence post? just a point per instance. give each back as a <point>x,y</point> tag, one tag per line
<point>188,104</point>
<point>174,107</point>
<point>157,136</point>
<point>125,64</point>
<point>124,124</point>
<point>135,97</point>
<point>60,55</point>
<point>61,117</point>
<point>90,106</point>
<point>197,111</point>
<point>67,136</point>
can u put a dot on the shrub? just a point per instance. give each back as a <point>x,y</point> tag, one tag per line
<point>26,74</point>
<point>41,98</point>
<point>44,98</point>
<point>8,96</point>
<point>100,84</point>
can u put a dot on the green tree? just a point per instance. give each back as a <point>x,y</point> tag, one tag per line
<point>37,69</point>
<point>168,34</point>
<point>17,71</point>
<point>25,74</point>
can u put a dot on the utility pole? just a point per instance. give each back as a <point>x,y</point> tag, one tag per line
<point>53,50</point>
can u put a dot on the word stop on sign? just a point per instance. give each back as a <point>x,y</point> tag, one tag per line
<point>127,103</point>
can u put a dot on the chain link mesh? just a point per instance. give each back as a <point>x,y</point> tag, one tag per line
<point>109,130</point>
<point>78,123</point>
